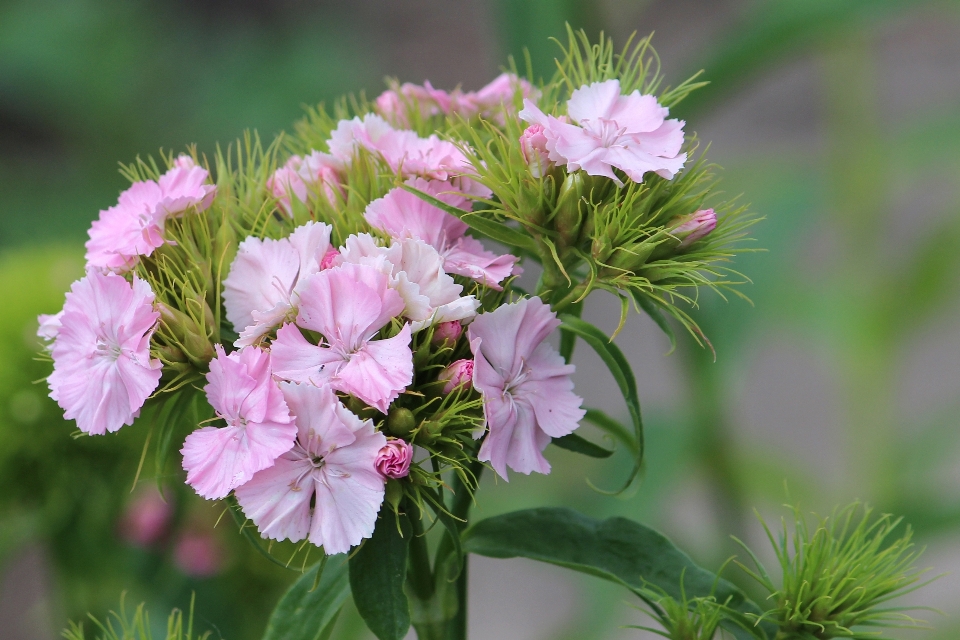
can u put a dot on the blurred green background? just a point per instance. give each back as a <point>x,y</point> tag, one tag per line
<point>839,120</point>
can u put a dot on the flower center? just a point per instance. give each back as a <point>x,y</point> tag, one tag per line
<point>106,349</point>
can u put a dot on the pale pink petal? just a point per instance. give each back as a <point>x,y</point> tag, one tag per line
<point>549,391</point>
<point>468,257</point>
<point>379,370</point>
<point>637,113</point>
<point>593,101</point>
<point>277,499</point>
<point>402,214</point>
<point>131,228</point>
<point>322,424</point>
<point>185,187</point>
<point>294,358</point>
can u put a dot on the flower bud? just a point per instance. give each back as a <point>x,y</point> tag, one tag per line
<point>393,493</point>
<point>394,459</point>
<point>567,217</point>
<point>400,421</point>
<point>447,332</point>
<point>189,336</point>
<point>695,226</point>
<point>457,374</point>
<point>533,145</point>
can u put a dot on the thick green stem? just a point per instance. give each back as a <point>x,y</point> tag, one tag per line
<point>420,573</point>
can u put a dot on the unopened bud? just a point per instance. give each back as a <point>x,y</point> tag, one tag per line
<point>400,421</point>
<point>447,332</point>
<point>632,257</point>
<point>457,374</point>
<point>393,493</point>
<point>188,336</point>
<point>533,145</point>
<point>329,258</point>
<point>567,218</point>
<point>695,226</point>
<point>393,460</point>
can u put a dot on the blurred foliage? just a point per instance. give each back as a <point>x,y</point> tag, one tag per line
<point>85,84</point>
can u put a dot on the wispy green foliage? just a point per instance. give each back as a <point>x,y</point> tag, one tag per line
<point>136,626</point>
<point>840,575</point>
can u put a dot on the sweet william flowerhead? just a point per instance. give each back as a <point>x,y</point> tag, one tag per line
<point>102,370</point>
<point>241,388</point>
<point>612,131</point>
<point>527,392</point>
<point>394,459</point>
<point>326,487</point>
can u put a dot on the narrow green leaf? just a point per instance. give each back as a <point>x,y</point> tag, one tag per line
<point>615,549</point>
<point>378,571</point>
<point>169,417</point>
<point>491,228</point>
<point>307,613</point>
<point>573,442</point>
<point>652,310</point>
<point>622,373</point>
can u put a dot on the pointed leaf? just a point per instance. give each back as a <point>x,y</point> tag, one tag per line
<point>577,444</point>
<point>308,609</point>
<point>378,571</point>
<point>615,549</point>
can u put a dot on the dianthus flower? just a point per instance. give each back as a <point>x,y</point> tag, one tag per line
<point>327,487</point>
<point>318,172</point>
<point>394,103</point>
<point>348,305</point>
<point>527,392</point>
<point>416,272</point>
<point>102,371</point>
<point>497,96</point>
<point>612,131</point>
<point>134,226</point>
<point>259,427</point>
<point>404,215</point>
<point>266,278</point>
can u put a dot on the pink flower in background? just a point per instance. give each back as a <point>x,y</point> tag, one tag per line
<point>695,226</point>
<point>327,487</point>
<point>266,278</point>
<point>259,428</point>
<point>456,374</point>
<point>348,305</point>
<point>394,103</point>
<point>184,187</point>
<point>416,273</point>
<point>351,135</point>
<point>394,459</point>
<point>130,229</point>
<point>496,97</point>
<point>286,181</point>
<point>630,133</point>
<point>49,327</point>
<point>146,519</point>
<point>527,392</point>
<point>320,172</point>
<point>533,144</point>
<point>447,332</point>
<point>183,161</point>
<point>404,215</point>
<point>198,554</point>
<point>102,371</point>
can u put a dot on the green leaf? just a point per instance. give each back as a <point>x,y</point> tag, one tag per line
<point>491,228</point>
<point>652,310</point>
<point>615,549</point>
<point>169,417</point>
<point>622,373</point>
<point>573,442</point>
<point>378,571</point>
<point>308,609</point>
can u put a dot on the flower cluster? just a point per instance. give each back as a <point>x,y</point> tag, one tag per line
<point>355,343</point>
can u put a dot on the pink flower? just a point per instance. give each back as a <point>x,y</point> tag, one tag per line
<point>130,229</point>
<point>259,428</point>
<point>184,187</point>
<point>49,327</point>
<point>134,226</point>
<point>351,135</point>
<point>198,554</point>
<point>630,133</point>
<point>447,332</point>
<point>183,161</point>
<point>348,305</point>
<point>457,374</point>
<point>327,487</point>
<point>394,459</point>
<point>496,97</point>
<point>527,392</point>
<point>102,371</point>
<point>321,171</point>
<point>146,519</point>
<point>286,182</point>
<point>267,276</point>
<point>693,227</point>
<point>416,273</point>
<point>533,145</point>
<point>395,103</point>
<point>329,258</point>
<point>403,215</point>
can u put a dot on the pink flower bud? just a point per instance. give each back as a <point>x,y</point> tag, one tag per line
<point>394,459</point>
<point>184,161</point>
<point>533,144</point>
<point>146,519</point>
<point>694,226</point>
<point>456,374</point>
<point>329,259</point>
<point>447,332</point>
<point>198,554</point>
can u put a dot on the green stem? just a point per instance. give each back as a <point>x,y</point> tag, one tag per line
<point>421,575</point>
